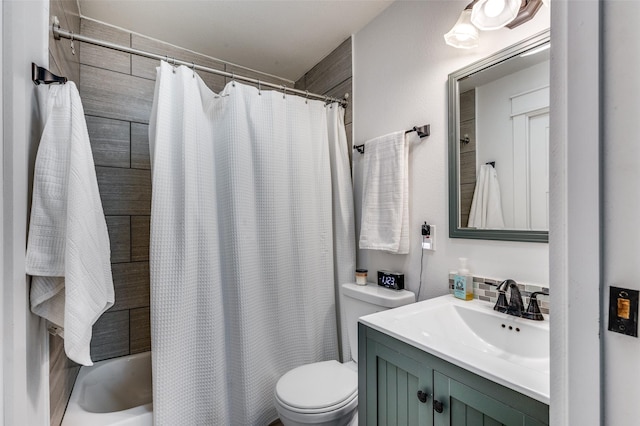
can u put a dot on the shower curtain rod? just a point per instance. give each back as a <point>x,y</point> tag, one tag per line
<point>59,33</point>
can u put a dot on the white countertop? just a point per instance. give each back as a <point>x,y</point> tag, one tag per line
<point>511,351</point>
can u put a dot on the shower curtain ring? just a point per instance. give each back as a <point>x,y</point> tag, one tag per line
<point>233,79</point>
<point>73,49</point>
<point>284,92</point>
<point>306,100</point>
<point>259,91</point>
<point>193,68</point>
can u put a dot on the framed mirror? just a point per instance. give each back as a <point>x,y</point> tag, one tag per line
<point>499,145</point>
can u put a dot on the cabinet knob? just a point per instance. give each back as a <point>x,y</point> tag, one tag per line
<point>437,406</point>
<point>422,396</point>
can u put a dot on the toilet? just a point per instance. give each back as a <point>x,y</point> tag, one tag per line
<point>326,393</point>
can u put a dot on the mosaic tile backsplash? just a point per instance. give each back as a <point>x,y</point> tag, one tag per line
<point>486,289</point>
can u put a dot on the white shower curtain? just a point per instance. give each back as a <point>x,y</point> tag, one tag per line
<point>251,235</point>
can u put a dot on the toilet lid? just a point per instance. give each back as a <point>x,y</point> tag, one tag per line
<point>318,385</point>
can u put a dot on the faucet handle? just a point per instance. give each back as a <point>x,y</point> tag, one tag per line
<point>533,310</point>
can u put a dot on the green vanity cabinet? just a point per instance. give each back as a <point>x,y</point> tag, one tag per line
<point>391,373</point>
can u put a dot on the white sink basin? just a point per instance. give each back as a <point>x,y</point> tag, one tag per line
<point>508,350</point>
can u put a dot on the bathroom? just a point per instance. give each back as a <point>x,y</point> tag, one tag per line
<point>399,60</point>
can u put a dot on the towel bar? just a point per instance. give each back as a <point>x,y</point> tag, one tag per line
<point>423,132</point>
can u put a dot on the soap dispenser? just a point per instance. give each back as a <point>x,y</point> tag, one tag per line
<point>463,281</point>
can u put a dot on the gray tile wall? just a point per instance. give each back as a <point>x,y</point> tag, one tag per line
<point>62,371</point>
<point>333,76</point>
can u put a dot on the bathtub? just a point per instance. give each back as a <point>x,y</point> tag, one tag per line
<point>114,392</point>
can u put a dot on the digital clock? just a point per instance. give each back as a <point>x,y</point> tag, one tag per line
<point>393,280</point>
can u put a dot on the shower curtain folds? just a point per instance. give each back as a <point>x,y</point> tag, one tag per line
<point>251,235</point>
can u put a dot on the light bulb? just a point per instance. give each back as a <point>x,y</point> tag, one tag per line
<point>494,8</point>
<point>494,14</point>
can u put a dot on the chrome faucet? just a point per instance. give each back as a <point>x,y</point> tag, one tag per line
<point>515,306</point>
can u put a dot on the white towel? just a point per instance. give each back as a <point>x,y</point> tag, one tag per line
<point>486,207</point>
<point>68,251</point>
<point>385,198</point>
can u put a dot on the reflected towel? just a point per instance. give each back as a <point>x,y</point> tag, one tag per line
<point>385,198</point>
<point>486,207</point>
<point>68,252</point>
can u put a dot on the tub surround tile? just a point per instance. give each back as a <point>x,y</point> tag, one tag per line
<point>110,141</point>
<point>101,56</point>
<point>110,336</point>
<point>119,228</point>
<point>331,71</point>
<point>124,191</point>
<point>124,97</point>
<point>140,158</point>
<point>131,284</point>
<point>140,326</point>
<point>140,238</point>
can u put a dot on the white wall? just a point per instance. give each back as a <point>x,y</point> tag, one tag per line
<point>621,201</point>
<point>24,365</point>
<point>401,65</point>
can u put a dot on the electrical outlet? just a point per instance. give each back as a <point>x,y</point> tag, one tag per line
<point>428,237</point>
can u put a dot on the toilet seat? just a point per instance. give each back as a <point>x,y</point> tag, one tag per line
<point>322,387</point>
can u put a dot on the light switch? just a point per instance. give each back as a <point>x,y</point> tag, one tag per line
<point>623,311</point>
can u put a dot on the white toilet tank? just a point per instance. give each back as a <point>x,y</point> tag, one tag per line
<point>360,300</point>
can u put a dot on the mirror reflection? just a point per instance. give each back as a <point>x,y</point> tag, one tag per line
<point>501,121</point>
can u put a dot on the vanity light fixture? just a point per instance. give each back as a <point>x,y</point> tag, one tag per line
<point>463,35</point>
<point>490,15</point>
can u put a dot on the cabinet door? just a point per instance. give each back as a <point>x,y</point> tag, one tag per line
<point>393,382</point>
<point>464,406</point>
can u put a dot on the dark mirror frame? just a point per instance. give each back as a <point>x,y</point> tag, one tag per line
<point>455,231</point>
